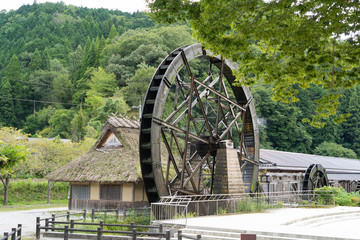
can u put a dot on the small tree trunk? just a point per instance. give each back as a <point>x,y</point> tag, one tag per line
<point>6,189</point>
<point>48,193</point>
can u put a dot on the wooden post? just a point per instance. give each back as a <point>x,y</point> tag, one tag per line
<point>92,215</point>
<point>161,229</point>
<point>19,231</point>
<point>6,235</point>
<point>37,228</point>
<point>84,215</point>
<point>99,233</point>
<point>117,214</point>
<point>53,217</point>
<point>134,234</point>
<point>71,225</point>
<point>167,235</point>
<point>131,226</point>
<point>66,232</point>
<point>198,237</point>
<point>247,236</point>
<point>46,224</point>
<point>179,235</point>
<point>13,234</point>
<point>101,224</point>
<point>68,216</point>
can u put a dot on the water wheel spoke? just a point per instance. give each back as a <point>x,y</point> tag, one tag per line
<point>186,63</point>
<point>189,171</point>
<point>196,169</point>
<point>218,98</point>
<point>171,156</point>
<point>219,94</point>
<point>181,85</point>
<point>183,104</point>
<point>230,126</point>
<point>203,110</point>
<point>179,130</point>
<point>232,110</point>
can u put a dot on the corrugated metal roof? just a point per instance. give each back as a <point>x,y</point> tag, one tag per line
<point>271,159</point>
<point>344,176</point>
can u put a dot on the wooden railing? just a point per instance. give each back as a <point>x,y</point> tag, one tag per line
<point>15,234</point>
<point>72,226</point>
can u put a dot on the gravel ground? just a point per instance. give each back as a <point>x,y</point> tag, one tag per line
<point>27,218</point>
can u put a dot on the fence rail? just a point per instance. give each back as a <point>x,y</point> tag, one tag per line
<point>73,226</point>
<point>15,234</point>
<point>176,209</point>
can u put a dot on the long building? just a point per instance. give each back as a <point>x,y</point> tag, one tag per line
<point>286,171</point>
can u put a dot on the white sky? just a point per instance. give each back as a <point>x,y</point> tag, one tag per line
<point>122,5</point>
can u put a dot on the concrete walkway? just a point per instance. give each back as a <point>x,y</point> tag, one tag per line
<point>332,223</point>
<point>307,223</point>
<point>27,218</point>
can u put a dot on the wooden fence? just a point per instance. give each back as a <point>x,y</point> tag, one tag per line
<point>71,226</point>
<point>15,234</point>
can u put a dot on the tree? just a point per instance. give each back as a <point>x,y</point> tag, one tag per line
<point>7,116</point>
<point>138,84</point>
<point>78,126</point>
<point>102,83</point>
<point>75,62</point>
<point>43,155</point>
<point>13,71</point>
<point>351,127</point>
<point>10,155</point>
<point>113,105</point>
<point>334,150</point>
<point>46,59</point>
<point>289,43</point>
<point>281,123</point>
<point>36,62</point>
<point>113,33</point>
<point>13,75</point>
<point>60,123</point>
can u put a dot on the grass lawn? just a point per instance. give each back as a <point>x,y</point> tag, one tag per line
<point>35,205</point>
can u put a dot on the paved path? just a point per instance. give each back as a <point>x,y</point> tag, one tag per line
<point>342,222</point>
<point>27,218</point>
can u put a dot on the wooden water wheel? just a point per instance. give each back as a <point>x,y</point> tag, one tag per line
<point>192,110</point>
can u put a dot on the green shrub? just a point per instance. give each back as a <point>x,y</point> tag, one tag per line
<point>249,204</point>
<point>340,196</point>
<point>33,191</point>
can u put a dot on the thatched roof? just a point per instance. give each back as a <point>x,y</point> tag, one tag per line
<point>106,163</point>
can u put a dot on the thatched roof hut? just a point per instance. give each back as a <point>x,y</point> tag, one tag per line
<point>111,165</point>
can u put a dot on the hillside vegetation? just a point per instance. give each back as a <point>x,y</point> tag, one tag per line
<point>64,69</point>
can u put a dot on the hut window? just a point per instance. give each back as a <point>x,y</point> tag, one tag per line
<point>80,192</point>
<point>110,192</point>
<point>112,141</point>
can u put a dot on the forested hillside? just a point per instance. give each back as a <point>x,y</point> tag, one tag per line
<point>64,69</point>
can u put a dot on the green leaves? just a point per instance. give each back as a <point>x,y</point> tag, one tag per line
<point>10,155</point>
<point>291,43</point>
<point>334,150</point>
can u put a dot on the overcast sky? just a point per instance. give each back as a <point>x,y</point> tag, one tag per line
<point>123,5</point>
